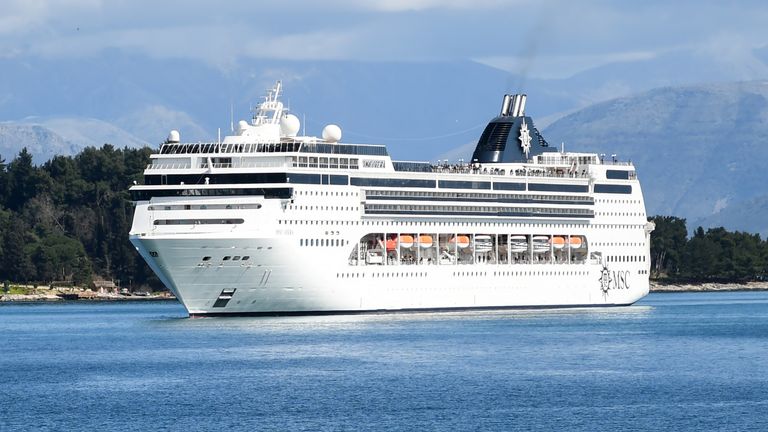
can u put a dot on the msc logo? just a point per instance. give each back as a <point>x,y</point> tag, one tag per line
<point>613,280</point>
<point>153,254</point>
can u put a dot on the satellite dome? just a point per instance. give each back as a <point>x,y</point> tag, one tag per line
<point>332,133</point>
<point>289,125</point>
<point>242,126</point>
<point>174,137</point>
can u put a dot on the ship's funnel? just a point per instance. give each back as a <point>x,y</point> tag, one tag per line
<point>505,105</point>
<point>515,105</point>
<point>521,111</point>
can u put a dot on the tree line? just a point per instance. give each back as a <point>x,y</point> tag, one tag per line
<point>68,219</point>
<point>712,255</point>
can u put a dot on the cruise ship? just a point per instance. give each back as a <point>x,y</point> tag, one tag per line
<point>267,221</point>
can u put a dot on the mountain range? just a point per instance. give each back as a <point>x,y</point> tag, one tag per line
<point>697,148</point>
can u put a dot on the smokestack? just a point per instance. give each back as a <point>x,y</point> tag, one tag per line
<point>516,105</point>
<point>521,112</point>
<point>505,105</point>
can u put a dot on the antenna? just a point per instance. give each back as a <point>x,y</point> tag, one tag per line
<point>231,117</point>
<point>304,124</point>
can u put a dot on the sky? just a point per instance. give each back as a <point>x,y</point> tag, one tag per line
<point>545,38</point>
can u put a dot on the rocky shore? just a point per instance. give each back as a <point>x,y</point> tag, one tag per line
<point>55,295</point>
<point>709,287</point>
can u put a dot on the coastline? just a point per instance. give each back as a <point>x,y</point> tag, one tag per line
<point>35,295</point>
<point>657,287</point>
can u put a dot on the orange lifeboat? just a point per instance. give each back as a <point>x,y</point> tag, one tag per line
<point>558,242</point>
<point>576,242</point>
<point>461,241</point>
<point>406,241</point>
<point>425,241</point>
<point>391,244</point>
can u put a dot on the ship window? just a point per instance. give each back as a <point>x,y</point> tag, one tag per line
<point>206,258</point>
<point>236,258</point>
<point>227,258</point>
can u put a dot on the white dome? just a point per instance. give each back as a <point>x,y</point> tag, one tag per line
<point>289,125</point>
<point>332,133</point>
<point>174,137</point>
<point>242,126</point>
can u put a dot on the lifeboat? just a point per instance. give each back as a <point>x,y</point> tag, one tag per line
<point>391,244</point>
<point>425,241</point>
<point>558,242</point>
<point>518,243</point>
<point>483,243</point>
<point>406,241</point>
<point>576,242</point>
<point>540,244</point>
<point>460,241</point>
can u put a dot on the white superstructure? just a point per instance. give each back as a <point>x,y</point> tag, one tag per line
<point>266,221</point>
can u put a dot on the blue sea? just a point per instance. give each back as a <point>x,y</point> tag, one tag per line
<point>683,362</point>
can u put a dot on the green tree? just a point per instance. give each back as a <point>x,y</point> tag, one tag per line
<point>668,243</point>
<point>17,263</point>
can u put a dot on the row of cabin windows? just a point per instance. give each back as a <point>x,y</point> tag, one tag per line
<point>324,193</point>
<point>332,208</point>
<point>323,242</point>
<point>464,273</point>
<point>626,258</point>
<point>618,214</point>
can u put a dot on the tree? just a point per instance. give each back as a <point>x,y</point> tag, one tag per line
<point>668,242</point>
<point>17,263</point>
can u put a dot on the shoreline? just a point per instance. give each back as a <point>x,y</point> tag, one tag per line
<point>657,287</point>
<point>70,296</point>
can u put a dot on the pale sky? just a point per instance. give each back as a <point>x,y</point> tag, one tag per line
<point>547,38</point>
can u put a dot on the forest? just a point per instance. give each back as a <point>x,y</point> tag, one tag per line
<point>67,222</point>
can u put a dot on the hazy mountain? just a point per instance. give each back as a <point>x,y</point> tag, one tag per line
<point>420,109</point>
<point>41,142</point>
<point>699,150</point>
<point>47,137</point>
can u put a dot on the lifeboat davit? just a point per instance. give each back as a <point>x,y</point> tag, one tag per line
<point>406,241</point>
<point>425,241</point>
<point>576,242</point>
<point>460,241</point>
<point>558,242</point>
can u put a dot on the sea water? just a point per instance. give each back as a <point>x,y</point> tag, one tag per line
<point>695,362</point>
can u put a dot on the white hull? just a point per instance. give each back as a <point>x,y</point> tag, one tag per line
<point>286,279</point>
